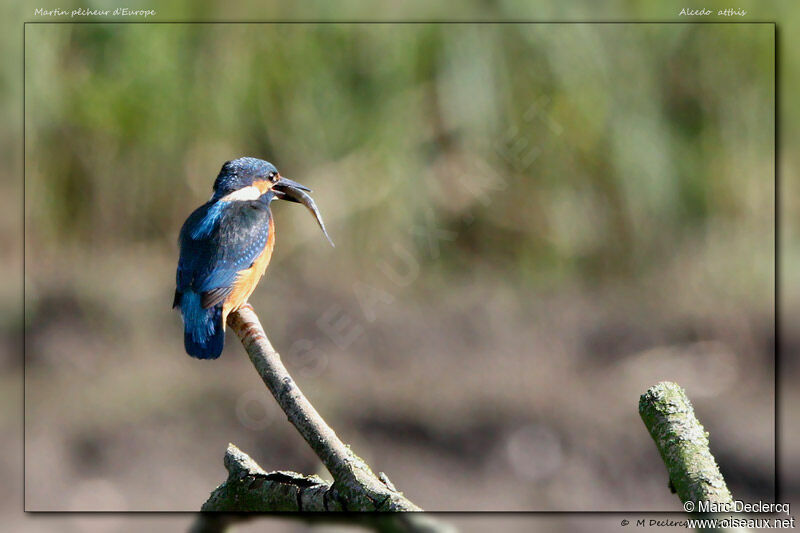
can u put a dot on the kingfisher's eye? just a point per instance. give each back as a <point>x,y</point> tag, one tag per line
<point>273,176</point>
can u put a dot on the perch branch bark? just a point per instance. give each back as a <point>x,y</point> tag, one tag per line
<point>250,488</point>
<point>355,486</point>
<point>683,444</point>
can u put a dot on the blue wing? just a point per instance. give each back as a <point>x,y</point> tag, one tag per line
<point>217,241</point>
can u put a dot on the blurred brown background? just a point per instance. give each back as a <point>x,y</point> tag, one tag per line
<point>534,223</point>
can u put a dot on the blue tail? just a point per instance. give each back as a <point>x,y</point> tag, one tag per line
<point>203,335</point>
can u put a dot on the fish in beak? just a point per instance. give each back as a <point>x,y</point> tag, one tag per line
<point>286,189</point>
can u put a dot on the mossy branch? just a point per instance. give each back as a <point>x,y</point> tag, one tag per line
<point>683,444</point>
<point>251,489</point>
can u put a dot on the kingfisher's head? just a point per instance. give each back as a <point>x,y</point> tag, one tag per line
<point>248,178</point>
<point>245,172</point>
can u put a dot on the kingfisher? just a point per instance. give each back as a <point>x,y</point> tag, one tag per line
<point>225,248</point>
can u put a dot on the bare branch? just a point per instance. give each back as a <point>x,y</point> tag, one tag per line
<point>355,486</point>
<point>683,444</point>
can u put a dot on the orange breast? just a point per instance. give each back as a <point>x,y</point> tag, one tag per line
<point>247,280</point>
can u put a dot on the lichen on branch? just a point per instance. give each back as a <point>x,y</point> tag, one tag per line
<point>683,444</point>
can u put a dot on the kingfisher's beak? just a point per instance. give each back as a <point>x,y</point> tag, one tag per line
<point>283,183</point>
<point>291,191</point>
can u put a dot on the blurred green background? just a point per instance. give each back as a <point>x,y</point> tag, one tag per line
<point>534,224</point>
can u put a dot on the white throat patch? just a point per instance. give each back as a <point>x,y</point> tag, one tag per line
<point>245,193</point>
